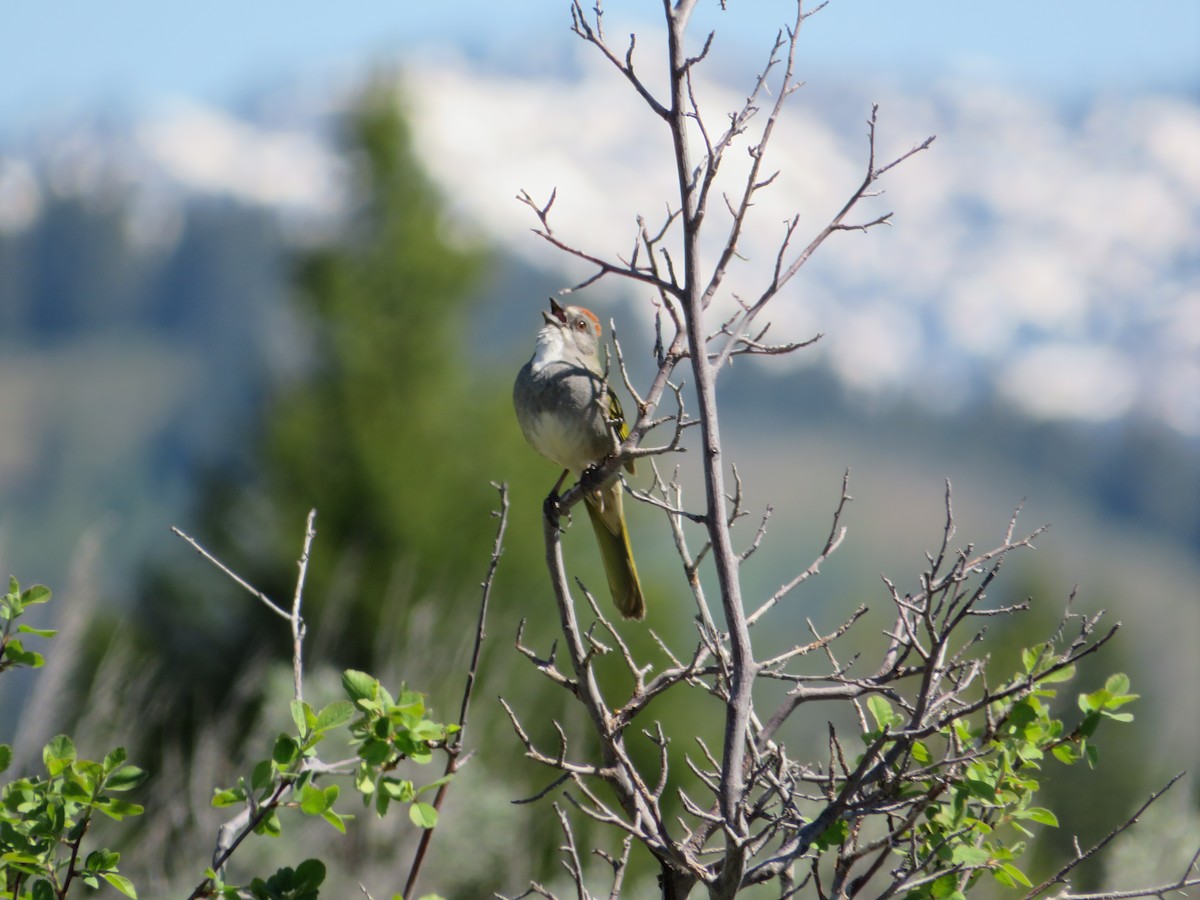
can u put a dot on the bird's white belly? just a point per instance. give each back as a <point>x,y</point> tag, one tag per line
<point>570,448</point>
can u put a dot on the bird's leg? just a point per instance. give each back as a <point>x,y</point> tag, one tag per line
<point>558,484</point>
<point>550,508</point>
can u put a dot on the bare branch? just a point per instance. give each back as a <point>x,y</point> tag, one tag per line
<point>546,232</point>
<point>295,619</point>
<point>455,749</point>
<point>836,534</point>
<point>1060,876</point>
<point>241,582</point>
<point>580,25</point>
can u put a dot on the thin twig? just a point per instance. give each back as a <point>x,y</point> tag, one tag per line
<point>296,620</point>
<point>267,601</point>
<point>455,748</point>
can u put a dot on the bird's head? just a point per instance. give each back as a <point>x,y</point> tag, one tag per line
<point>574,328</point>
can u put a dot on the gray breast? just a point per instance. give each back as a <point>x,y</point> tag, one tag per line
<point>559,415</point>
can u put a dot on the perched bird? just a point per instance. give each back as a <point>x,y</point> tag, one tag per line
<point>569,416</point>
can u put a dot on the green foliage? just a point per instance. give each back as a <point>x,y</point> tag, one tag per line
<point>387,732</point>
<point>981,808</point>
<point>43,822</point>
<point>384,731</point>
<point>300,883</point>
<point>12,607</point>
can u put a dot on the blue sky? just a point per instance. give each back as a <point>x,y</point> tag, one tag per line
<point>1089,105</point>
<point>78,55</point>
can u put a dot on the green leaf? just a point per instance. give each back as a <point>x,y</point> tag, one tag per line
<point>1039,815</point>
<point>364,781</point>
<point>58,755</point>
<point>382,800</point>
<point>39,593</point>
<point>966,855</point>
<point>5,756</point>
<point>270,825</point>
<point>881,710</point>
<point>262,776</point>
<point>1010,876</point>
<point>1118,687</point>
<point>920,752</point>
<point>286,751</point>
<point>945,888</point>
<point>301,715</point>
<point>1066,754</point>
<point>335,715</point>
<point>833,836</point>
<point>981,789</point>
<point>375,753</point>
<point>411,702</point>
<point>1031,657</point>
<point>305,777</point>
<point>228,797</point>
<point>40,632</point>
<point>427,730</point>
<point>101,859</point>
<point>337,821</point>
<point>312,801</point>
<point>398,789</point>
<point>17,655</point>
<point>121,883</point>
<point>126,778</point>
<point>1066,673</point>
<point>1029,754</point>
<point>119,809</point>
<point>445,779</point>
<point>79,788</point>
<point>359,686</point>
<point>1117,683</point>
<point>1021,828</point>
<point>423,815</point>
<point>310,875</point>
<point>114,758</point>
<point>1023,714</point>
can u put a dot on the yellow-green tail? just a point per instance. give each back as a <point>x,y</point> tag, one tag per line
<point>608,521</point>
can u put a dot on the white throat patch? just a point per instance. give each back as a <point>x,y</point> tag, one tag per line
<point>550,348</point>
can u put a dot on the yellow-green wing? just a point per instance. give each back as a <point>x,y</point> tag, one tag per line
<point>616,419</point>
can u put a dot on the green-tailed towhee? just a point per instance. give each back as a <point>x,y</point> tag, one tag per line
<point>569,417</point>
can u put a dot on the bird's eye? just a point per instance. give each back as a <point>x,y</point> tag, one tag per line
<point>581,324</point>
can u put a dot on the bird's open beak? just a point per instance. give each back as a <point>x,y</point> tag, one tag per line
<point>556,316</point>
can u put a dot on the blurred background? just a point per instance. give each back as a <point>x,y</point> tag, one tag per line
<point>259,259</point>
